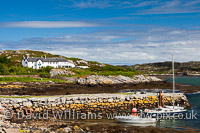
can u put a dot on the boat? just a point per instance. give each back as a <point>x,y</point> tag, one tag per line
<point>175,107</point>
<point>163,112</point>
<point>135,119</point>
<point>167,111</point>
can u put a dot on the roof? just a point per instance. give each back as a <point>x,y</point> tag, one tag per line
<point>34,59</point>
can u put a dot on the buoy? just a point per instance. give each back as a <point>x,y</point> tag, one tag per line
<point>134,110</point>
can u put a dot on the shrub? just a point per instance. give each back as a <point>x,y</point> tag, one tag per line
<point>4,59</point>
<point>45,75</point>
<point>2,68</point>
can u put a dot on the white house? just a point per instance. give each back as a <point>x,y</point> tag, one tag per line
<point>38,62</point>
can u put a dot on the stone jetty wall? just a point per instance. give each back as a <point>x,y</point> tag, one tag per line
<point>97,103</point>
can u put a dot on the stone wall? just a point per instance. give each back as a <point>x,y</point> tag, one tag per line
<point>97,103</point>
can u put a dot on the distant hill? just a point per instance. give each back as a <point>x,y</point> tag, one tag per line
<point>16,56</point>
<point>192,67</point>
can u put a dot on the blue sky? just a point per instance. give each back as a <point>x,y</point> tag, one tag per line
<point>109,31</point>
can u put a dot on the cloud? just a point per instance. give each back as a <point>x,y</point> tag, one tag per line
<point>170,7</point>
<point>92,4</point>
<point>141,6</point>
<point>128,47</point>
<point>47,24</point>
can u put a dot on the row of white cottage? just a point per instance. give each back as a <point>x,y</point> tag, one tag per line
<point>37,63</point>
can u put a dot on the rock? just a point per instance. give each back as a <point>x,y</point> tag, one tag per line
<point>16,105</point>
<point>51,82</point>
<point>142,79</point>
<point>82,62</point>
<point>55,72</point>
<point>27,104</point>
<point>76,128</point>
<point>110,100</point>
<point>67,129</point>
<point>101,80</point>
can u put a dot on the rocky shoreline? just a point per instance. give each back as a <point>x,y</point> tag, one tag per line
<point>103,80</point>
<point>72,127</point>
<point>49,88</point>
<point>22,114</point>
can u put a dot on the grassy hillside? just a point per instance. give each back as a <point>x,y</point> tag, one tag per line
<point>16,56</point>
<point>10,64</point>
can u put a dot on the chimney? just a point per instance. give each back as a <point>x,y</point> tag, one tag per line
<point>27,56</point>
<point>45,56</point>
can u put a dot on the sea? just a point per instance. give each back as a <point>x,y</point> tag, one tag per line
<point>192,122</point>
<point>194,99</point>
<point>184,123</point>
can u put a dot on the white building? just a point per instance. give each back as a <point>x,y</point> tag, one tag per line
<point>37,63</point>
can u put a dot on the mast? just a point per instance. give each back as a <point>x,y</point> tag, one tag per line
<point>173,78</point>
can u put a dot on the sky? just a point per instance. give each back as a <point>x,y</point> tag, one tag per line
<point>108,31</point>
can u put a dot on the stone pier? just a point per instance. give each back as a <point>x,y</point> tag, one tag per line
<point>92,103</point>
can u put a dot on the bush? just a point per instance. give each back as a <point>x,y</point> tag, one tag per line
<point>81,72</point>
<point>45,75</point>
<point>4,59</point>
<point>45,69</point>
<point>2,68</point>
<point>107,68</point>
<point>19,70</point>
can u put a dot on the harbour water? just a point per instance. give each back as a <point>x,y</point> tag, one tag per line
<point>185,123</point>
<point>195,81</point>
<point>194,100</point>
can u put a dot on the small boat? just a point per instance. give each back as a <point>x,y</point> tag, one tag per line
<point>134,119</point>
<point>175,107</point>
<point>165,112</point>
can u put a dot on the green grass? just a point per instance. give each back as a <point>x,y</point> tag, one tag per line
<point>104,71</point>
<point>81,72</point>
<point>93,62</point>
<point>28,79</point>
